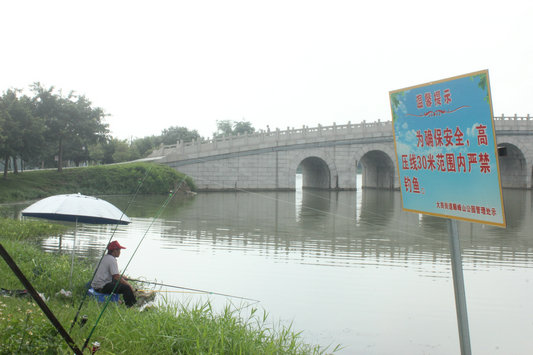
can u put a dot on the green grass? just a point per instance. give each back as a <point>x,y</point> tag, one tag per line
<point>95,180</point>
<point>170,328</point>
<point>167,329</point>
<point>48,272</point>
<point>12,229</point>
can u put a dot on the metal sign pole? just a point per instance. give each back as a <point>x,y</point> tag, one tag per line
<point>459,286</point>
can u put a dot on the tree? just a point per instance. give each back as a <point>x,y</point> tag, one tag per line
<point>111,151</point>
<point>243,127</point>
<point>70,120</point>
<point>173,134</point>
<point>144,146</point>
<point>233,128</point>
<point>122,151</point>
<point>76,150</point>
<point>97,153</point>
<point>89,130</point>
<point>21,131</point>
<point>224,128</point>
<point>141,147</point>
<point>5,121</point>
<point>32,129</point>
<point>102,152</point>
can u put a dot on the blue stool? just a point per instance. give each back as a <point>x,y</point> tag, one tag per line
<point>101,297</point>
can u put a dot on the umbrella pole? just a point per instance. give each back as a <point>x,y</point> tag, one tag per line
<point>72,258</point>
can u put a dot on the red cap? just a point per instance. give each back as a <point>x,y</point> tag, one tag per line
<point>114,245</point>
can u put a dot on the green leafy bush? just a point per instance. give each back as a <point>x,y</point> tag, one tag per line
<point>95,180</point>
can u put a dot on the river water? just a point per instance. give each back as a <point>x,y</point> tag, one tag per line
<point>346,268</point>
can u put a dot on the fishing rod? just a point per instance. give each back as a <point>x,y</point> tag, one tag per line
<point>170,291</point>
<point>195,290</point>
<point>138,188</point>
<point>163,206</point>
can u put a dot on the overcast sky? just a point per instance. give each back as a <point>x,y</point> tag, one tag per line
<point>155,64</point>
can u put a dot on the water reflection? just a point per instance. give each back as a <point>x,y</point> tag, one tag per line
<point>325,225</point>
<point>378,207</point>
<point>515,203</point>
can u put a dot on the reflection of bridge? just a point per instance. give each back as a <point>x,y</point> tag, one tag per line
<point>330,227</point>
<point>327,156</point>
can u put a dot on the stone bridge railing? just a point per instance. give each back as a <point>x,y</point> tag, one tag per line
<point>514,123</point>
<point>277,137</point>
<point>268,138</point>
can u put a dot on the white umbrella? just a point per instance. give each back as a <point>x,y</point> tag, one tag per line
<point>76,208</point>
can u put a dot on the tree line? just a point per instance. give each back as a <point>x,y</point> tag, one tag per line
<point>47,129</point>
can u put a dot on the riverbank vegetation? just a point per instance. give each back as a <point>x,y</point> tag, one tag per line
<point>94,180</point>
<point>166,329</point>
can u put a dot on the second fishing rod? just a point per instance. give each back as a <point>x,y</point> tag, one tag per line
<point>194,289</point>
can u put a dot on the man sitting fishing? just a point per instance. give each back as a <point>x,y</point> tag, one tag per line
<point>107,276</point>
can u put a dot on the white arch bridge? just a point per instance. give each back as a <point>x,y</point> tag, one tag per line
<point>328,157</point>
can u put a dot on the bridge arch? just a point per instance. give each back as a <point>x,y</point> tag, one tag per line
<point>318,171</point>
<point>315,173</point>
<point>378,170</point>
<point>513,166</point>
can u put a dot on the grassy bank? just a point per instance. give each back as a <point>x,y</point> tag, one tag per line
<point>94,180</point>
<point>168,329</point>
